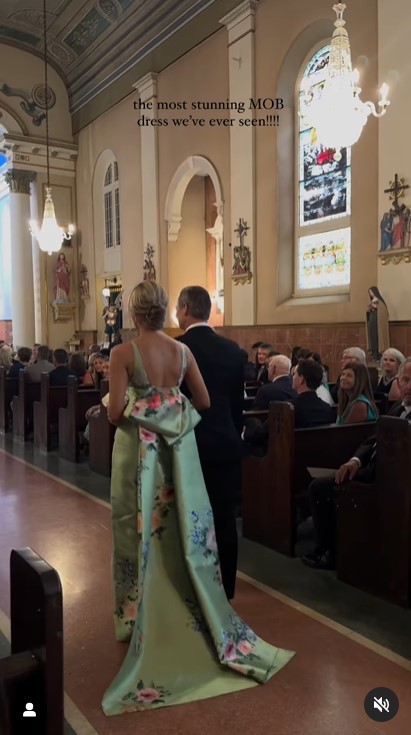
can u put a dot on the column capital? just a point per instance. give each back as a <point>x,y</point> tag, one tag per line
<point>19,180</point>
<point>146,86</point>
<point>241,19</point>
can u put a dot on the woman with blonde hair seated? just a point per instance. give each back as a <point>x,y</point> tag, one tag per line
<point>355,397</point>
<point>391,362</point>
<point>6,357</point>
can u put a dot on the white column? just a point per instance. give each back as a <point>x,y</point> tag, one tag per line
<point>240,26</point>
<point>21,257</point>
<point>147,89</point>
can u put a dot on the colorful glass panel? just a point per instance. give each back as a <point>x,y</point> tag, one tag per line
<point>324,259</point>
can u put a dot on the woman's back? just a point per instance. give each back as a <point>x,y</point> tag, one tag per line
<point>153,359</point>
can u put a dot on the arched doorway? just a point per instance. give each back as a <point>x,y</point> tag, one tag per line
<point>195,232</point>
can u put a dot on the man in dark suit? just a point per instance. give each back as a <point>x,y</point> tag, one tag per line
<point>218,434</point>
<point>309,409</point>
<point>59,376</point>
<point>323,492</point>
<point>280,385</point>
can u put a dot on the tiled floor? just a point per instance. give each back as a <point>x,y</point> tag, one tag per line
<point>321,692</point>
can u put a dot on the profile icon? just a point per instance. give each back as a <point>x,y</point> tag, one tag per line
<point>29,710</point>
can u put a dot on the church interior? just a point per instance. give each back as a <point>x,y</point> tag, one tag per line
<point>202,142</point>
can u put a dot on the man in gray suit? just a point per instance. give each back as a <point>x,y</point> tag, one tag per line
<point>42,365</point>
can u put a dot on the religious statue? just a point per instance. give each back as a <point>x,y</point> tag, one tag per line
<point>241,257</point>
<point>62,280</point>
<point>149,269</point>
<point>378,339</point>
<point>112,315</point>
<point>395,225</point>
<point>84,283</point>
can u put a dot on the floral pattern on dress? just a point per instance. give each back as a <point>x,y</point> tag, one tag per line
<point>145,696</point>
<point>157,403</point>
<point>196,619</point>
<point>163,499</point>
<point>202,535</point>
<point>126,593</point>
<point>237,645</point>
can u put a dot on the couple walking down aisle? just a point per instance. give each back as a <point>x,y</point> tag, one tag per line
<point>186,641</point>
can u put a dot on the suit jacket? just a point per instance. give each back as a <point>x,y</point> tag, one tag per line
<point>310,410</point>
<point>281,390</point>
<point>367,450</point>
<point>59,376</point>
<point>221,364</point>
<point>35,370</point>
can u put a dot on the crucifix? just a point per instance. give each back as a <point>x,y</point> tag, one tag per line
<point>241,231</point>
<point>396,191</point>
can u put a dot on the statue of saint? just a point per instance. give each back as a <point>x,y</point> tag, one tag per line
<point>378,338</point>
<point>62,281</point>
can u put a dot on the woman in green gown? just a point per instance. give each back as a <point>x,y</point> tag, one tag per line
<point>186,641</point>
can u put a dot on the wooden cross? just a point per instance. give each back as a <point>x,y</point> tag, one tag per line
<point>396,190</point>
<point>241,231</point>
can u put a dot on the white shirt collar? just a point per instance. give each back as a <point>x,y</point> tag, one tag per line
<point>198,324</point>
<point>407,410</point>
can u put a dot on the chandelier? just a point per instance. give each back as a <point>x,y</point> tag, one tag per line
<point>338,114</point>
<point>50,236</point>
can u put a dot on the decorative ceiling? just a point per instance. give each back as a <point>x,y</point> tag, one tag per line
<point>93,43</point>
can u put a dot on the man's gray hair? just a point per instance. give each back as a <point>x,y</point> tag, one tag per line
<point>358,353</point>
<point>198,301</point>
<point>407,361</point>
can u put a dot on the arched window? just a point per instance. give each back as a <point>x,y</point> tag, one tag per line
<point>323,230</point>
<point>111,206</point>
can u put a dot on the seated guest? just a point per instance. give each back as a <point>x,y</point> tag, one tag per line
<point>34,352</point>
<point>280,385</point>
<point>355,397</point>
<point>93,350</point>
<point>59,376</point>
<point>350,354</point>
<point>262,355</point>
<point>323,492</point>
<point>6,359</point>
<point>309,409</point>
<point>95,410</point>
<point>94,374</point>
<point>390,363</point>
<point>255,348</point>
<point>77,366</point>
<point>42,365</point>
<point>23,359</point>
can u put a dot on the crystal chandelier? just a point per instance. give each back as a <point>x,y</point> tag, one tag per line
<point>339,115</point>
<point>50,236</point>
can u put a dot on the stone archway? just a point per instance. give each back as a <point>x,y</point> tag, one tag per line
<point>198,166</point>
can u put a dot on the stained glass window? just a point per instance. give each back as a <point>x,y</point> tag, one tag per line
<point>324,193</point>
<point>324,259</point>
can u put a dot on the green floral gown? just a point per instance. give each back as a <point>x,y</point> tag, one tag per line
<point>187,643</point>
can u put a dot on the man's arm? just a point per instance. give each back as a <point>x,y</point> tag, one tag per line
<point>237,397</point>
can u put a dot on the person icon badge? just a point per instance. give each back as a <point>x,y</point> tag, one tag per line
<point>29,710</point>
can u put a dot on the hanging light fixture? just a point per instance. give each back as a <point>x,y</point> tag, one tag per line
<point>338,114</point>
<point>50,236</point>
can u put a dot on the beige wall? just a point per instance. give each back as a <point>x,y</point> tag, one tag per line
<point>201,75</point>
<point>116,131</point>
<point>22,70</point>
<point>187,256</point>
<point>394,149</point>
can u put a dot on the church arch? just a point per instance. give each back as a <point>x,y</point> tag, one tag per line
<point>192,166</point>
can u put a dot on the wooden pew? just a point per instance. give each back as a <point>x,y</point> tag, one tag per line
<point>34,671</point>
<point>72,418</point>
<point>271,483</point>
<point>101,438</point>
<point>23,407</point>
<point>8,388</point>
<point>374,520</point>
<point>46,413</point>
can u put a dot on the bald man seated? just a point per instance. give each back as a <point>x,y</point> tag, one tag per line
<point>280,385</point>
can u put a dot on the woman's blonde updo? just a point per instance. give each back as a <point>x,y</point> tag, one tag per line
<point>148,305</point>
